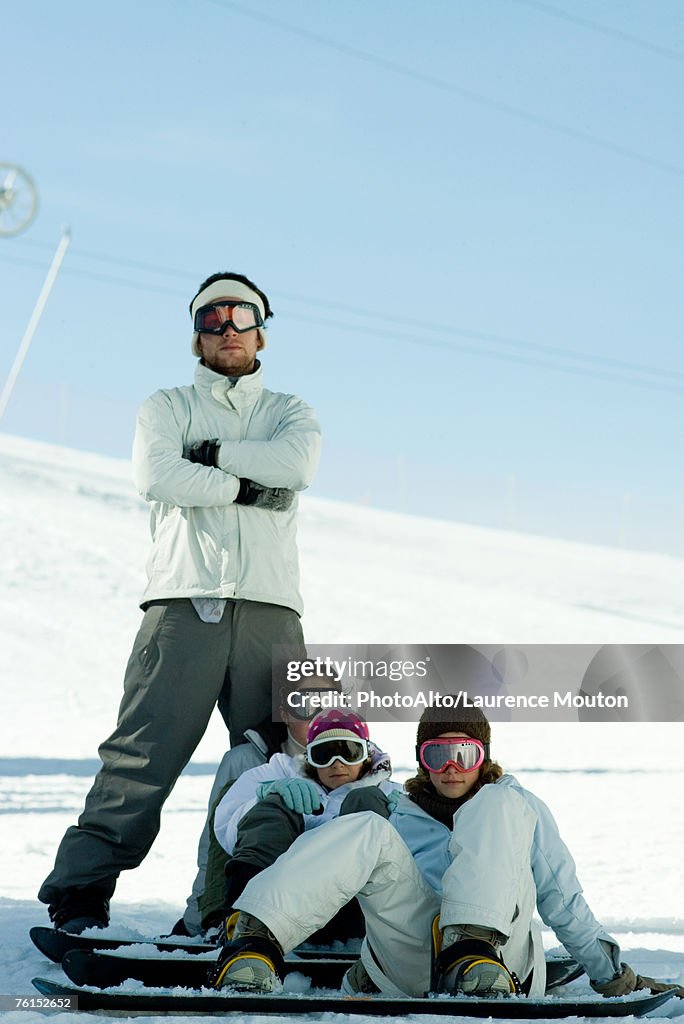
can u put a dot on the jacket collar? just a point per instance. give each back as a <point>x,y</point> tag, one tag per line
<point>245,390</point>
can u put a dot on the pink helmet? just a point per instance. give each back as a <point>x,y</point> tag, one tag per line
<point>337,724</point>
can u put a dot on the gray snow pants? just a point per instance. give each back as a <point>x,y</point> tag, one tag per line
<point>180,668</point>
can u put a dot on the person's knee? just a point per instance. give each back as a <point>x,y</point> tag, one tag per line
<point>273,808</point>
<point>267,830</point>
<point>369,798</point>
<point>498,811</point>
<point>372,830</point>
<point>494,800</point>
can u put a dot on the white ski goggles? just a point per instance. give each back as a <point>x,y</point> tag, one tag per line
<point>462,752</point>
<point>321,753</point>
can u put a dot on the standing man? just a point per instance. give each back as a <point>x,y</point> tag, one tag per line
<point>219,462</point>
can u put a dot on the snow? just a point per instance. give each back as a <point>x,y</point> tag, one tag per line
<point>73,542</point>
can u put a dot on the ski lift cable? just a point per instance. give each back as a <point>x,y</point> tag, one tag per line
<point>591,359</point>
<point>411,339</point>
<point>594,26</point>
<point>469,95</point>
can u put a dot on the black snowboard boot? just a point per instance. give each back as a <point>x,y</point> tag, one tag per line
<point>79,909</point>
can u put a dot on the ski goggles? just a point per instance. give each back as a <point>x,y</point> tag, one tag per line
<point>242,316</point>
<point>463,753</point>
<point>305,711</point>
<point>322,753</point>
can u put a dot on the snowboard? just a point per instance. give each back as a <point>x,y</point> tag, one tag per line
<point>106,970</point>
<point>86,962</point>
<point>54,943</point>
<point>512,1008</point>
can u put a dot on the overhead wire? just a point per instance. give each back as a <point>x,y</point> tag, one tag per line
<point>118,260</point>
<point>525,358</point>
<point>491,337</point>
<point>594,26</point>
<point>509,357</point>
<point>365,312</point>
<point>464,93</point>
<point>403,321</point>
<point>94,276</point>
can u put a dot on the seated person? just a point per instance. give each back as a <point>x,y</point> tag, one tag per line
<point>447,880</point>
<point>205,904</point>
<point>269,806</point>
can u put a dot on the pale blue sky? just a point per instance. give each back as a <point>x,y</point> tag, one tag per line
<point>467,214</point>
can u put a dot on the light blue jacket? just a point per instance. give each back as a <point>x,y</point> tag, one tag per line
<point>560,902</point>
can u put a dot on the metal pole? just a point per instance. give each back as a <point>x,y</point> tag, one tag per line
<point>35,319</point>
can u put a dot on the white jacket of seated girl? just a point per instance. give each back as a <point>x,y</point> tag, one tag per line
<point>242,795</point>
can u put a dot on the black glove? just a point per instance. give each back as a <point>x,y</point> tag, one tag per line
<point>204,452</point>
<point>275,499</point>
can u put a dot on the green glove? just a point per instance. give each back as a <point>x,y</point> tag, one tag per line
<point>298,795</point>
<point>393,798</point>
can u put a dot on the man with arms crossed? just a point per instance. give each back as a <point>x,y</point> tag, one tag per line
<point>219,461</point>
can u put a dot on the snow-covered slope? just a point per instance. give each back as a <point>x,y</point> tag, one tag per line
<point>73,542</point>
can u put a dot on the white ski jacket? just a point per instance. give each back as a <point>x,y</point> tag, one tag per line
<point>241,796</point>
<point>203,545</point>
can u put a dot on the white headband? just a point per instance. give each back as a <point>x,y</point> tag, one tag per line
<point>223,289</point>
